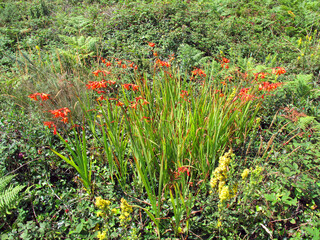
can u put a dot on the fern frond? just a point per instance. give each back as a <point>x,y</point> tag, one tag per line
<point>8,197</point>
<point>4,181</point>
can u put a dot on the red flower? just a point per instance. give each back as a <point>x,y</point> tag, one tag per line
<point>51,124</point>
<point>134,87</point>
<point>278,70</point>
<point>44,96</point>
<point>145,102</point>
<point>183,169</point>
<point>151,44</point>
<point>108,64</point>
<point>120,104</point>
<point>126,86</point>
<point>61,113</point>
<point>101,98</point>
<point>96,73</point>
<point>134,105</point>
<point>34,96</point>
<point>225,60</point>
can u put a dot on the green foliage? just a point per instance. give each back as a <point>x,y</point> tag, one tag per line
<point>9,197</point>
<point>50,47</point>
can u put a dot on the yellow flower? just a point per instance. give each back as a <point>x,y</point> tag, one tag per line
<point>219,224</point>
<point>224,194</point>
<point>299,41</point>
<point>101,203</point>
<point>291,13</point>
<point>114,211</point>
<point>99,214</point>
<point>102,235</point>
<point>245,173</point>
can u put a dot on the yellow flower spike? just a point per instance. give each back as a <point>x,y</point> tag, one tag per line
<point>219,223</point>
<point>102,235</point>
<point>299,41</point>
<point>224,194</point>
<point>245,173</point>
<point>114,211</point>
<point>99,203</point>
<point>100,214</point>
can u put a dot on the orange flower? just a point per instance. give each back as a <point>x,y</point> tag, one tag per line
<point>145,102</point>
<point>151,44</point>
<point>108,64</point>
<point>138,98</point>
<point>155,54</point>
<point>96,84</point>
<point>51,124</point>
<point>124,66</point>
<point>134,105</point>
<point>60,113</point>
<point>65,120</point>
<point>280,71</point>
<point>199,72</point>
<point>134,87</point>
<point>96,73</point>
<point>34,96</point>
<point>120,104</point>
<point>44,96</point>
<point>182,170</point>
<point>126,86</point>
<point>225,60</point>
<point>100,98</point>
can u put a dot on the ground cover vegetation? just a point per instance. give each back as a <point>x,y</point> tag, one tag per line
<point>159,120</point>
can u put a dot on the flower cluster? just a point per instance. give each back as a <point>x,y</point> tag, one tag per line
<point>245,96</point>
<point>219,178</point>
<point>224,63</point>
<point>261,74</point>
<point>126,209</point>
<point>43,96</point>
<point>245,173</point>
<point>102,235</point>
<point>266,86</point>
<point>184,94</point>
<point>99,84</point>
<point>61,113</point>
<point>182,170</point>
<point>278,70</point>
<point>101,203</point>
<point>163,63</point>
<point>50,125</point>
<point>199,72</point>
<point>104,72</point>
<point>133,86</point>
